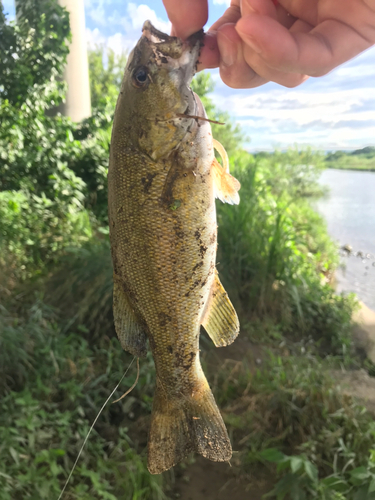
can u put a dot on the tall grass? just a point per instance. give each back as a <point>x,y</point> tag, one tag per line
<point>81,287</point>
<point>275,257</point>
<point>291,413</point>
<point>52,386</point>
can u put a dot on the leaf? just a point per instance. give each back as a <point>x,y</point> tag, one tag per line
<point>14,455</point>
<point>360,473</point>
<point>272,455</point>
<point>335,483</point>
<point>361,494</point>
<point>295,464</point>
<point>57,452</point>
<point>311,471</point>
<point>371,488</point>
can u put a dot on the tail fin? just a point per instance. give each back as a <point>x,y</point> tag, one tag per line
<point>180,426</point>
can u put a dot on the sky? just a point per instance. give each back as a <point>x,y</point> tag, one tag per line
<point>333,112</point>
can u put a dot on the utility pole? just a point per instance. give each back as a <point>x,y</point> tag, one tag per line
<point>78,101</point>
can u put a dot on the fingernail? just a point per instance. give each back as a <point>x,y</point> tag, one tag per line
<point>228,50</point>
<point>249,40</point>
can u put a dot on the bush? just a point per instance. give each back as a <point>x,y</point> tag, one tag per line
<point>35,229</point>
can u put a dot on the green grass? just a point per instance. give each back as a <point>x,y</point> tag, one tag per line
<point>52,386</point>
<point>290,413</point>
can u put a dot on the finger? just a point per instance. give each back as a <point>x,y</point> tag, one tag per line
<point>316,53</point>
<point>306,10</point>
<point>209,56</point>
<point>263,7</point>
<point>234,71</point>
<point>268,73</point>
<point>267,8</point>
<point>301,27</point>
<point>186,16</point>
<point>285,79</point>
<point>231,15</point>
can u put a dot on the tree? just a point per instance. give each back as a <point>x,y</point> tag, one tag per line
<point>33,52</point>
<point>105,79</point>
<point>41,198</point>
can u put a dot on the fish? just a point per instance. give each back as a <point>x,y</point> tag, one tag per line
<point>162,183</point>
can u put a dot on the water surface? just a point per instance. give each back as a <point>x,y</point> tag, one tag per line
<point>349,210</point>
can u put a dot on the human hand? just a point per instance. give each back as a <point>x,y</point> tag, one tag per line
<point>256,41</point>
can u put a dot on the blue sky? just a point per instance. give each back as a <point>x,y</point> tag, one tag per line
<point>336,111</point>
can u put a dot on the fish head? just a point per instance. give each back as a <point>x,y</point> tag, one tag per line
<point>155,91</point>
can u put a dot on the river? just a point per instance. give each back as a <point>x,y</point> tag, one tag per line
<point>349,210</point>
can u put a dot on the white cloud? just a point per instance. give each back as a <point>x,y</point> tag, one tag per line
<point>131,25</point>
<point>299,106</point>
<point>96,11</point>
<point>221,2</point>
<point>138,14</point>
<point>335,111</point>
<point>118,42</point>
<point>328,120</point>
<point>94,38</point>
<point>135,16</point>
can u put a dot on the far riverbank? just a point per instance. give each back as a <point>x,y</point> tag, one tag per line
<point>350,167</point>
<point>361,159</point>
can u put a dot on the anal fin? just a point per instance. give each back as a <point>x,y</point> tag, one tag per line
<point>130,331</point>
<point>220,319</point>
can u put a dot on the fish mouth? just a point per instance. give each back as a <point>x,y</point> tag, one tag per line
<point>180,58</point>
<point>178,55</point>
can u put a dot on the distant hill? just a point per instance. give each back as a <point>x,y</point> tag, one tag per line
<point>368,150</point>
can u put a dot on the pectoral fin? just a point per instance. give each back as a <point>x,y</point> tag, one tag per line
<point>226,186</point>
<point>220,320</point>
<point>129,329</point>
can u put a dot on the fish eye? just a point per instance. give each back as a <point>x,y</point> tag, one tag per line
<point>140,77</point>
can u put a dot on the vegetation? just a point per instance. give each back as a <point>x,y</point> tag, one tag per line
<point>59,357</point>
<point>105,79</point>
<point>360,159</point>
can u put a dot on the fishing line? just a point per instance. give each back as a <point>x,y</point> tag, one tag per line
<point>132,387</point>
<point>96,418</point>
<point>181,115</point>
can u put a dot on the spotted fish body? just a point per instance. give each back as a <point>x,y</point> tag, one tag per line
<point>162,183</point>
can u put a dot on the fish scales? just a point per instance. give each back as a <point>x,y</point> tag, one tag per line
<point>163,231</point>
<point>164,256</point>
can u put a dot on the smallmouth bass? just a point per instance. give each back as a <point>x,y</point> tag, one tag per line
<point>162,182</point>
